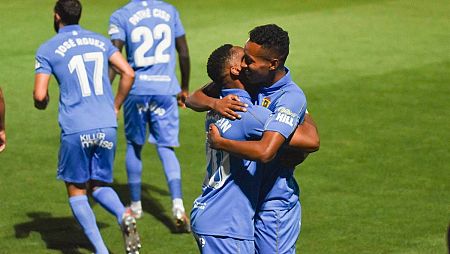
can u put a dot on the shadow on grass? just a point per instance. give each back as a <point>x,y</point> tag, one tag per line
<point>150,204</point>
<point>58,233</point>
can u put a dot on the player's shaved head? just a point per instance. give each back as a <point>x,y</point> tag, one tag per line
<point>218,62</point>
<point>69,11</point>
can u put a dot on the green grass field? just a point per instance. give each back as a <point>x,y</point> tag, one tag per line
<point>377,78</point>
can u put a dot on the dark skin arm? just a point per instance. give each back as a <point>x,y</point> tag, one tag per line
<point>2,123</point>
<point>207,98</point>
<point>304,141</point>
<point>306,136</point>
<point>265,150</point>
<point>112,71</point>
<point>185,68</point>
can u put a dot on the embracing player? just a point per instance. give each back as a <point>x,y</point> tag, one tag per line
<point>152,34</point>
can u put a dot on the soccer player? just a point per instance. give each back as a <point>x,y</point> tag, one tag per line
<point>232,185</point>
<point>79,60</point>
<point>277,223</point>
<point>2,122</point>
<point>152,33</point>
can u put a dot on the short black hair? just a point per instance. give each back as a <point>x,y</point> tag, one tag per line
<point>273,38</point>
<point>69,11</point>
<point>217,62</point>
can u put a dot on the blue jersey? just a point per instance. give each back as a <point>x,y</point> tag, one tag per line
<point>79,61</point>
<point>231,188</point>
<point>288,104</point>
<point>149,29</point>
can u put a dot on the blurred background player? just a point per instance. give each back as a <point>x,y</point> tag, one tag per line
<point>79,61</point>
<point>2,122</point>
<point>152,33</point>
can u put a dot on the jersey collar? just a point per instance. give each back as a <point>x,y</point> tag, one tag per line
<point>69,28</point>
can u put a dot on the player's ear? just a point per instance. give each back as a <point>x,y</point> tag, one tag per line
<point>235,71</point>
<point>274,63</point>
<point>57,17</point>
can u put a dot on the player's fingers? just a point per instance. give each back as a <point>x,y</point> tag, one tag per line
<point>2,147</point>
<point>238,103</point>
<point>238,108</point>
<point>230,114</point>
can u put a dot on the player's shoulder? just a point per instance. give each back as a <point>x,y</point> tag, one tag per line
<point>50,44</point>
<point>96,35</point>
<point>256,113</point>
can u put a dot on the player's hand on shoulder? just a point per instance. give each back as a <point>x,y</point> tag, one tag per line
<point>228,105</point>
<point>214,136</point>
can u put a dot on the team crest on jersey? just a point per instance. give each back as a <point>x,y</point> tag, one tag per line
<point>266,102</point>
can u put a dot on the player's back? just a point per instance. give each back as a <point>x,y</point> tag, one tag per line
<point>231,187</point>
<point>78,59</point>
<point>149,30</point>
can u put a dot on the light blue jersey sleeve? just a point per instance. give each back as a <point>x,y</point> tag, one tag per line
<point>117,27</point>
<point>289,112</point>
<point>42,64</point>
<point>179,29</point>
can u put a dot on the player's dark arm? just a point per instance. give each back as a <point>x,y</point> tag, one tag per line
<point>40,93</point>
<point>2,111</point>
<point>306,136</point>
<point>207,98</point>
<point>2,122</point>
<point>111,70</point>
<point>126,78</point>
<point>304,141</point>
<point>185,68</point>
<point>263,150</point>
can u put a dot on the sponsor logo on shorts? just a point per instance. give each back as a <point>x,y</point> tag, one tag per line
<point>152,108</point>
<point>95,139</point>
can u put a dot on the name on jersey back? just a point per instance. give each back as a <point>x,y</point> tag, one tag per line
<point>83,41</point>
<point>148,13</point>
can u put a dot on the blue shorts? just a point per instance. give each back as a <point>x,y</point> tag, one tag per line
<point>208,244</point>
<point>159,112</point>
<point>276,231</point>
<point>87,155</point>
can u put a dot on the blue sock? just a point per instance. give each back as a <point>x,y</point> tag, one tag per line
<point>109,200</point>
<point>134,170</point>
<point>171,169</point>
<point>85,216</point>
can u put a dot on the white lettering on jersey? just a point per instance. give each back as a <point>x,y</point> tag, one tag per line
<point>285,119</point>
<point>85,41</point>
<point>162,14</point>
<point>224,124</point>
<point>140,15</point>
<point>286,116</point>
<point>147,13</point>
